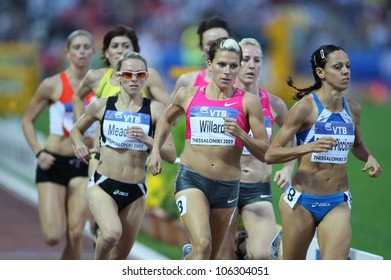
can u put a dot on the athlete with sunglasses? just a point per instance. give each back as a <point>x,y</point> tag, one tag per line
<point>103,81</point>
<point>117,40</point>
<point>117,192</point>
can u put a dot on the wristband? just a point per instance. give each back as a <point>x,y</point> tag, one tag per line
<point>37,155</point>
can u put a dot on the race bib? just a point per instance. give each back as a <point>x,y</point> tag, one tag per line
<point>343,133</point>
<point>115,125</point>
<point>291,196</point>
<point>207,126</point>
<point>268,130</point>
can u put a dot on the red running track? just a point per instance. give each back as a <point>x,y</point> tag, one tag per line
<point>20,234</point>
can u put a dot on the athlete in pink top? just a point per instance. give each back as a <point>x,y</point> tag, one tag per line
<point>208,30</point>
<point>255,196</point>
<point>207,185</point>
<point>267,111</point>
<point>200,78</point>
<point>204,119</point>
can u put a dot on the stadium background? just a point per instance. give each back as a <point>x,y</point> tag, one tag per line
<point>32,39</point>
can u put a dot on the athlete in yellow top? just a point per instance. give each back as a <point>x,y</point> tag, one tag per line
<point>117,40</point>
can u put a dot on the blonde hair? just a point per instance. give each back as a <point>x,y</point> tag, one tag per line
<point>251,42</point>
<point>78,32</point>
<point>224,44</point>
<point>129,55</point>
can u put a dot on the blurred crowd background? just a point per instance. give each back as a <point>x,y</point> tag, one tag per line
<point>289,31</point>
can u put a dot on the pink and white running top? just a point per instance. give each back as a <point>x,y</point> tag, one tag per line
<point>205,123</point>
<point>267,116</point>
<point>200,79</point>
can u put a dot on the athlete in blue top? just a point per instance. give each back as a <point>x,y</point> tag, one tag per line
<point>327,127</point>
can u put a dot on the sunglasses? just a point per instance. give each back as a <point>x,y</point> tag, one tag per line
<point>129,74</point>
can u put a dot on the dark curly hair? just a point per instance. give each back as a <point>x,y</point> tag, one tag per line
<point>115,31</point>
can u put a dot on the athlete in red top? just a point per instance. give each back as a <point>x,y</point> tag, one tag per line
<point>61,178</point>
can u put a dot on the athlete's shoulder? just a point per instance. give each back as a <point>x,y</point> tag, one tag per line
<point>50,84</point>
<point>184,94</point>
<point>187,90</point>
<point>191,74</point>
<point>276,102</point>
<point>100,101</point>
<point>97,104</point>
<point>251,101</point>
<point>96,74</point>
<point>352,103</point>
<point>156,107</point>
<point>304,110</point>
<point>53,79</point>
<point>353,106</point>
<point>153,74</point>
<point>250,97</point>
<point>187,79</point>
<point>306,103</point>
<point>152,71</point>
